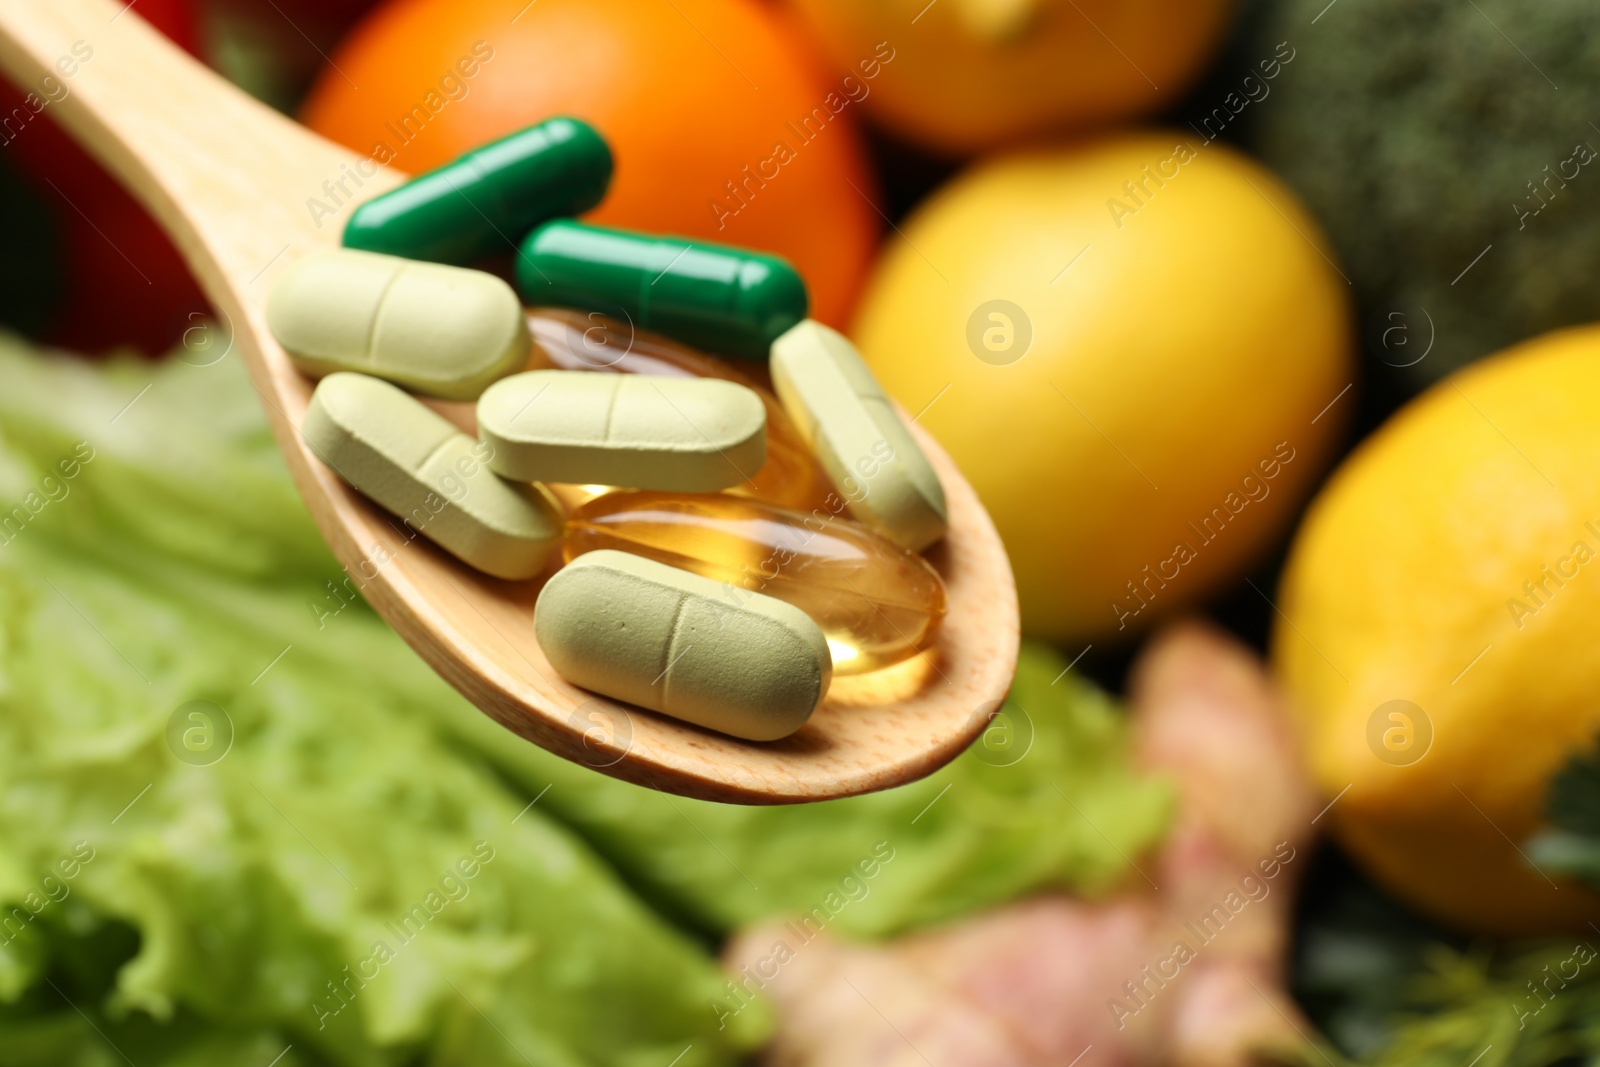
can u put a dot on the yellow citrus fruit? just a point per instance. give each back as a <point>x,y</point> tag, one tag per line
<point>1134,350</point>
<point>1438,638</point>
<point>965,75</point>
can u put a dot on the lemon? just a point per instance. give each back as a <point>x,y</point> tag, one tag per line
<point>1135,351</point>
<point>1441,612</point>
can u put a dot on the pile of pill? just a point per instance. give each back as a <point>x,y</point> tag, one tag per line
<point>710,575</point>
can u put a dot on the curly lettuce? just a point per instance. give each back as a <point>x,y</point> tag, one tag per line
<point>227,830</point>
<point>1046,799</point>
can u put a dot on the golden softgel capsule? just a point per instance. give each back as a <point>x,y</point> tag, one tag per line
<point>564,339</point>
<point>876,603</point>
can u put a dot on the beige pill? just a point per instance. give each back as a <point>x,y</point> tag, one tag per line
<point>689,435</point>
<point>413,463</point>
<point>640,631</point>
<point>440,330</point>
<point>858,438</point>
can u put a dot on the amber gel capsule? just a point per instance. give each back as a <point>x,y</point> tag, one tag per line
<point>488,199</point>
<point>875,602</point>
<point>566,339</point>
<point>720,299</point>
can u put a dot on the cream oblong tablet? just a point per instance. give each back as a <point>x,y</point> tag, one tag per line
<point>699,650</point>
<point>413,463</point>
<point>858,437</point>
<point>689,435</point>
<point>444,331</point>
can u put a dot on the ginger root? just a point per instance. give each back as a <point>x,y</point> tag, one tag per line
<point>1186,968</point>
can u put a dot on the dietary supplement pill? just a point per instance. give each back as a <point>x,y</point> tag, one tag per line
<point>875,602</point>
<point>444,331</point>
<point>568,339</point>
<point>686,434</point>
<point>858,437</point>
<point>652,635</point>
<point>720,299</point>
<point>416,465</point>
<point>488,199</point>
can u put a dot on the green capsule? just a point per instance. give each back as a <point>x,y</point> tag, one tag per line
<point>716,298</point>
<point>485,201</point>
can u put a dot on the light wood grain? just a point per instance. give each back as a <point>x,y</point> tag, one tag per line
<point>230,180</point>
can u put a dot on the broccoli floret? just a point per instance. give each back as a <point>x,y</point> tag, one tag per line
<point>1426,134</point>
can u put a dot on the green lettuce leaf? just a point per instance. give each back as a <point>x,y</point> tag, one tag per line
<point>297,860</point>
<point>1047,799</point>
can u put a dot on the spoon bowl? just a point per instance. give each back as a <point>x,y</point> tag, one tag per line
<point>244,192</point>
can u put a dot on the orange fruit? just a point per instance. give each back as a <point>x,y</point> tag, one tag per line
<point>720,123</point>
<point>963,75</point>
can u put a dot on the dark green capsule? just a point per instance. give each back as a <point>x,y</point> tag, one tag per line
<point>487,200</point>
<point>716,298</point>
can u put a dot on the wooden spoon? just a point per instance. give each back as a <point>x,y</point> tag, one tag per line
<point>237,186</point>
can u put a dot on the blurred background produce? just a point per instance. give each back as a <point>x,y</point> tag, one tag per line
<point>274,49</point>
<point>88,268</point>
<point>1427,133</point>
<point>980,74</point>
<point>1437,644</point>
<point>1088,332</point>
<point>1206,713</point>
<point>1110,351</point>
